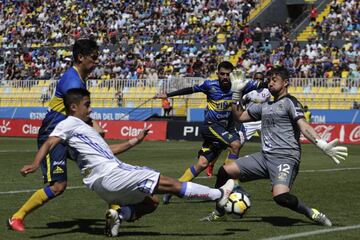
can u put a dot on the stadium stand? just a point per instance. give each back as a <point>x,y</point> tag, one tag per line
<point>154,46</point>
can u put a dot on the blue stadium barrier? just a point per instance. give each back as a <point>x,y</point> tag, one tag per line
<point>318,116</point>
<point>135,114</point>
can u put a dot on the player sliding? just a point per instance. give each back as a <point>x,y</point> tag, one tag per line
<point>113,180</point>
<point>282,120</point>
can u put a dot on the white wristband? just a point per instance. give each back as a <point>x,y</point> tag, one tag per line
<point>133,141</point>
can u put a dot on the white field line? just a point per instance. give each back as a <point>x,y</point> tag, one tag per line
<point>203,177</point>
<point>312,233</point>
<point>33,190</point>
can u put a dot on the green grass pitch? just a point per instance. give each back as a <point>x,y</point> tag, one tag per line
<point>79,213</point>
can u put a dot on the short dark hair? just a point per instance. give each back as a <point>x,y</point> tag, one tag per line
<point>259,73</point>
<point>225,64</point>
<point>74,95</point>
<point>283,72</point>
<point>84,47</point>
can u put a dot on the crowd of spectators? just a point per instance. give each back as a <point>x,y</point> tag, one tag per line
<point>342,21</point>
<point>154,39</point>
<point>315,59</point>
<point>136,36</point>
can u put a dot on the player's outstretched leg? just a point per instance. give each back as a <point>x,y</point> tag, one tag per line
<point>320,218</point>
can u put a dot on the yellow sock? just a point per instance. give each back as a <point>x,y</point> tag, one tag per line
<point>188,175</point>
<point>35,201</point>
<point>114,206</point>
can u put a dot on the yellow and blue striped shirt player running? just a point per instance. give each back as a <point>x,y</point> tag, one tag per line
<point>55,170</point>
<point>85,55</point>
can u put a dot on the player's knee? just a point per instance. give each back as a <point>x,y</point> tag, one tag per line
<point>202,163</point>
<point>286,200</point>
<point>58,188</point>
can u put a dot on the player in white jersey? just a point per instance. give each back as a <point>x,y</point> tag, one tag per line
<point>254,97</point>
<point>113,180</point>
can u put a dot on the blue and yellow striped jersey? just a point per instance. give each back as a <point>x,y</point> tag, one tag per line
<point>56,113</point>
<point>219,101</point>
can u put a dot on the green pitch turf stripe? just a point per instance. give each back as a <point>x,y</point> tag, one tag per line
<point>312,233</point>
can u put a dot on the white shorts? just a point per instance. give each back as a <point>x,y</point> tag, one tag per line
<point>251,128</point>
<point>126,184</point>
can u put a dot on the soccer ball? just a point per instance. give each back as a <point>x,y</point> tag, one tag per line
<point>237,204</point>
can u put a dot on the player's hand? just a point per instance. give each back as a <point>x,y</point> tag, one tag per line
<point>143,133</point>
<point>25,170</point>
<point>160,95</point>
<point>336,153</point>
<point>238,83</point>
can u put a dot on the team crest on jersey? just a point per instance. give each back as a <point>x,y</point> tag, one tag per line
<point>282,176</point>
<point>280,108</point>
<point>212,89</point>
<point>58,170</point>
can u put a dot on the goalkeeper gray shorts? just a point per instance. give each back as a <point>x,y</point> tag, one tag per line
<point>279,169</point>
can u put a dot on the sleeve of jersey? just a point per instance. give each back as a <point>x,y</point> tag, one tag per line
<point>295,109</point>
<point>204,87</point>
<point>255,111</point>
<point>70,85</point>
<point>61,130</point>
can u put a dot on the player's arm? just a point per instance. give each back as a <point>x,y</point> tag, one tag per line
<point>240,114</point>
<point>336,153</point>
<point>307,130</point>
<point>124,146</point>
<point>180,92</point>
<point>40,155</point>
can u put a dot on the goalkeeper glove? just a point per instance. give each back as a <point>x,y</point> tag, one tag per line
<point>238,83</point>
<point>337,153</point>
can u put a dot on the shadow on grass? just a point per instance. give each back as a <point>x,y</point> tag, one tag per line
<point>88,226</point>
<point>279,221</point>
<point>96,227</point>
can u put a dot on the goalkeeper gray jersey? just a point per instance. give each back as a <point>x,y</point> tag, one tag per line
<point>279,130</point>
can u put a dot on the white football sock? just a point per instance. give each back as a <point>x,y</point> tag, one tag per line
<point>194,190</point>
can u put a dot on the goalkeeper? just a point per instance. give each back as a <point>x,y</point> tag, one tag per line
<point>282,120</point>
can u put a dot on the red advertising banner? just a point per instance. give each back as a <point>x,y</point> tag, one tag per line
<point>346,133</point>
<point>113,129</point>
<point>19,127</point>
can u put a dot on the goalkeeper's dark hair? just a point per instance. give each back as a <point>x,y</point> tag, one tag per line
<point>74,96</point>
<point>84,47</point>
<point>281,71</point>
<point>226,65</point>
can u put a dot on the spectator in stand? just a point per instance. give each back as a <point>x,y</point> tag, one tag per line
<point>313,14</point>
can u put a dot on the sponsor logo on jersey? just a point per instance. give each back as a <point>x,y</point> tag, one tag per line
<point>58,170</point>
